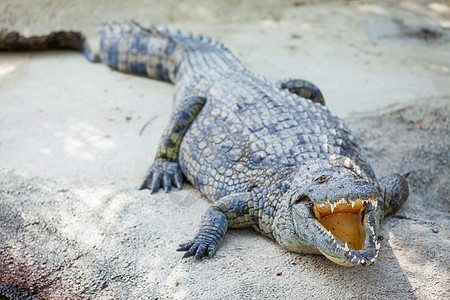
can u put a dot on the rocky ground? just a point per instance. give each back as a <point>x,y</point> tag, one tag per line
<point>76,140</point>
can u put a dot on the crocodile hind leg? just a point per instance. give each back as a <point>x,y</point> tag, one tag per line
<point>166,169</point>
<point>302,88</point>
<point>231,211</point>
<point>395,193</point>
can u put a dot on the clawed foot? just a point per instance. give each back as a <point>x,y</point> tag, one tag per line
<point>200,247</point>
<point>212,230</point>
<point>163,174</point>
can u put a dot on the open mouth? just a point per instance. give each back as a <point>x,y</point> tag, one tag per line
<point>345,220</point>
<point>345,231</point>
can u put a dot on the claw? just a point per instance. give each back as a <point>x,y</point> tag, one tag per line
<point>166,182</point>
<point>156,182</point>
<point>178,180</point>
<point>211,251</point>
<point>192,250</point>
<point>200,251</point>
<point>185,246</point>
<point>146,183</point>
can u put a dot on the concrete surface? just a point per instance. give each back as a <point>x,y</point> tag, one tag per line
<point>76,140</point>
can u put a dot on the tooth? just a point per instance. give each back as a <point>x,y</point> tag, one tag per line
<point>375,203</point>
<point>346,247</point>
<point>363,261</point>
<point>332,207</point>
<point>377,246</point>
<point>353,204</point>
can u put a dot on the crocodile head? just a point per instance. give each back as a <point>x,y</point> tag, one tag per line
<point>338,211</point>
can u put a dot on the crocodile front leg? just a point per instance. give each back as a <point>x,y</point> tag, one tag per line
<point>395,192</point>
<point>302,88</point>
<point>231,211</point>
<point>166,169</point>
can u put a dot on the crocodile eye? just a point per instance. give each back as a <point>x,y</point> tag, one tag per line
<point>321,179</point>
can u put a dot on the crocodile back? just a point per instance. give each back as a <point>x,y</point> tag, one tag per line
<point>253,135</point>
<point>204,55</point>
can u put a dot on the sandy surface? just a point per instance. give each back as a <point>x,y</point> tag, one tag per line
<point>73,151</point>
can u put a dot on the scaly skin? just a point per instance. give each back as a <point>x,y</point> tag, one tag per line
<point>270,155</point>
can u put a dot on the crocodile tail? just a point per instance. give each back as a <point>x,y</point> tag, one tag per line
<point>140,50</point>
<point>14,41</point>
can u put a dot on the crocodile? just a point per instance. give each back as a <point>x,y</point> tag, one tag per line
<point>269,155</point>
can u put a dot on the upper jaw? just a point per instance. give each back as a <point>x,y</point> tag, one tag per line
<point>316,222</point>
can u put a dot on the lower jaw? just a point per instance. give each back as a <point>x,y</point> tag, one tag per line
<point>365,255</point>
<point>337,260</point>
